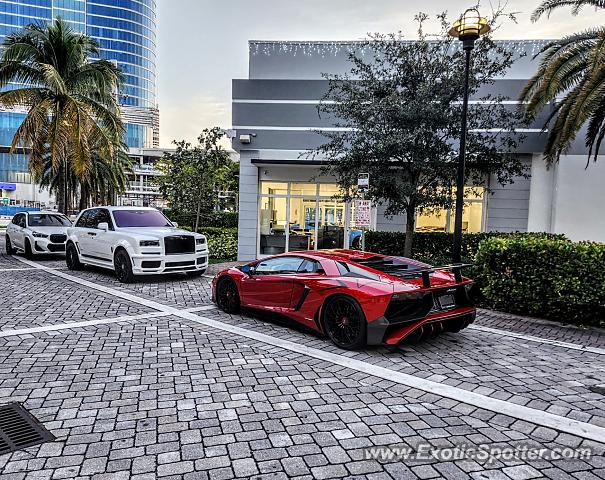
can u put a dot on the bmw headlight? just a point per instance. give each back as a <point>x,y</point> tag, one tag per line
<point>200,241</point>
<point>39,235</point>
<point>149,243</point>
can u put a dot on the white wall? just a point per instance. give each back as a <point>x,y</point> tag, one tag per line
<point>579,198</point>
<point>568,198</point>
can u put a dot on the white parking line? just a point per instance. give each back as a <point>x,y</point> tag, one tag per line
<point>24,269</point>
<point>97,321</point>
<point>531,415</point>
<point>531,338</point>
<point>86,323</point>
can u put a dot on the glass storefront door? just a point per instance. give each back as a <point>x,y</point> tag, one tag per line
<point>331,226</point>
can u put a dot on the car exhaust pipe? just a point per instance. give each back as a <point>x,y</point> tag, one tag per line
<point>437,329</point>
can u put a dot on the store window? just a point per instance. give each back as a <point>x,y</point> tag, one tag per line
<point>298,216</point>
<point>443,220</point>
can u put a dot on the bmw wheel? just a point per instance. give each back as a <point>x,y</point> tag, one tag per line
<point>227,296</point>
<point>71,258</point>
<point>29,254</point>
<point>123,267</point>
<point>9,247</point>
<point>345,322</point>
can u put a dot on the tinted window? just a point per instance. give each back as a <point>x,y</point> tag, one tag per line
<point>279,265</point>
<point>82,221</point>
<point>47,220</point>
<point>19,220</point>
<point>140,218</point>
<point>349,270</point>
<point>309,266</point>
<point>103,217</point>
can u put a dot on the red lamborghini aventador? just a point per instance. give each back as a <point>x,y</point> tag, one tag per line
<point>355,298</point>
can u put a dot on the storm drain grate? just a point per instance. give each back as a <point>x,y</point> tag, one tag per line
<point>600,389</point>
<point>19,429</point>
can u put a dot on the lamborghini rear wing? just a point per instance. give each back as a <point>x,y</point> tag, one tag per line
<point>456,269</point>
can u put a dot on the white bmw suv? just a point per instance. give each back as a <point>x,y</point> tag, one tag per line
<point>134,241</point>
<point>35,233</point>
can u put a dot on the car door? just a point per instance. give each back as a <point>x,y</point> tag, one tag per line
<point>85,234</point>
<point>102,242</point>
<point>17,230</point>
<point>270,284</point>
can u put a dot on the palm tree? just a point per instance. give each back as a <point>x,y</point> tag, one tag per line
<point>571,76</point>
<point>73,117</point>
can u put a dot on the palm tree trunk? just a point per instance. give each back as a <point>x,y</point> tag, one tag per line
<point>65,189</point>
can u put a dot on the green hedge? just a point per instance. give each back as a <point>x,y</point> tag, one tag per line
<point>209,219</point>
<point>222,242</point>
<point>437,245</point>
<point>544,277</point>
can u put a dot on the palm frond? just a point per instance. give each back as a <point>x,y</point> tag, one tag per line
<point>548,6</point>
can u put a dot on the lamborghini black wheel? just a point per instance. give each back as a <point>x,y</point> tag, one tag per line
<point>345,322</point>
<point>227,296</point>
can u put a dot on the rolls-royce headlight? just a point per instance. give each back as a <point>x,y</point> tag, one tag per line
<point>149,243</point>
<point>200,241</point>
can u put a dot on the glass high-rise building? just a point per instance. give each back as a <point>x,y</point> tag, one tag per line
<point>126,32</point>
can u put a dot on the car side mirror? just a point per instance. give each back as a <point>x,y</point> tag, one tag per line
<point>175,225</point>
<point>103,226</point>
<point>247,269</point>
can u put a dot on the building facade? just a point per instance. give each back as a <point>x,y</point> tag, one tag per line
<point>286,205</point>
<point>126,32</point>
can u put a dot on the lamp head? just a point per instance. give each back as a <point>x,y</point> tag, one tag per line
<point>470,26</point>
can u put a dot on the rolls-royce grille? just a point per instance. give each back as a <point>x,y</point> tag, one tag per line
<point>179,244</point>
<point>58,238</point>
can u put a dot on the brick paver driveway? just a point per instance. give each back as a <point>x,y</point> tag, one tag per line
<point>149,380</point>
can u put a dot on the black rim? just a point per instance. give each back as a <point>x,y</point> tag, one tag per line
<point>227,295</point>
<point>343,322</point>
<point>8,246</point>
<point>70,257</point>
<point>121,266</point>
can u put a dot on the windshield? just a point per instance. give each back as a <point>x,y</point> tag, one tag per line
<point>46,220</point>
<point>140,218</point>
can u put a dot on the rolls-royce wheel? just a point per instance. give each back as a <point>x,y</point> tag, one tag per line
<point>123,267</point>
<point>71,258</point>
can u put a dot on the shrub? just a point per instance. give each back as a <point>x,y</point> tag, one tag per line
<point>437,244</point>
<point>545,277</point>
<point>222,242</point>
<point>208,219</point>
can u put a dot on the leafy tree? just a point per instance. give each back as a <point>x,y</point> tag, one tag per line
<point>399,118</point>
<point>571,69</point>
<point>73,118</point>
<point>192,175</point>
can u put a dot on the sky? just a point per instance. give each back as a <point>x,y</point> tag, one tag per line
<point>203,44</point>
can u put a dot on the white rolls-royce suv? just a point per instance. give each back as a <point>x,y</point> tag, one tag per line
<point>134,241</point>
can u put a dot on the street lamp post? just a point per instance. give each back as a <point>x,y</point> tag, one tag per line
<point>467,29</point>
